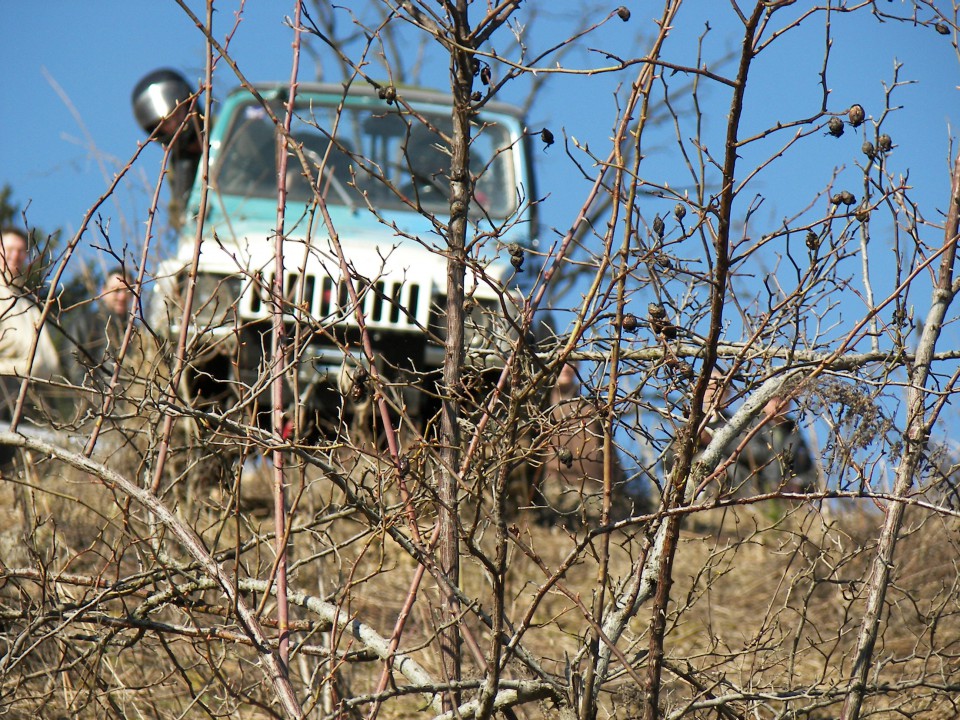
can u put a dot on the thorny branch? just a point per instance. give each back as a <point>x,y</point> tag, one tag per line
<point>726,338</point>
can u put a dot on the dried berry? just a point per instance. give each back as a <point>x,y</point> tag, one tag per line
<point>942,28</point>
<point>485,75</point>
<point>884,143</point>
<point>388,93</point>
<point>656,311</point>
<point>358,391</point>
<point>862,213</point>
<point>477,96</point>
<point>899,317</point>
<point>658,227</point>
<point>547,137</point>
<point>844,197</point>
<point>856,115</point>
<point>813,242</point>
<point>869,150</point>
<point>403,466</point>
<point>657,317</point>
<point>629,323</point>
<point>684,370</point>
<point>680,211</point>
<point>623,13</point>
<point>565,456</point>
<point>515,248</point>
<point>835,126</point>
<point>517,262</point>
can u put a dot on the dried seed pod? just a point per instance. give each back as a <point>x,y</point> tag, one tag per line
<point>884,143</point>
<point>477,96</point>
<point>813,242</point>
<point>680,211</point>
<point>869,150</point>
<point>629,323</point>
<point>517,262</point>
<point>835,126</point>
<point>899,317</point>
<point>658,227</point>
<point>485,75</point>
<point>856,115</point>
<point>388,93</point>
<point>358,391</point>
<point>847,197</point>
<point>565,456</point>
<point>403,466</point>
<point>657,317</point>
<point>862,213</point>
<point>515,248</point>
<point>942,28</point>
<point>663,260</point>
<point>623,13</point>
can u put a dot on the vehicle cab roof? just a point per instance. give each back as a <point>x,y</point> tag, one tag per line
<point>366,92</point>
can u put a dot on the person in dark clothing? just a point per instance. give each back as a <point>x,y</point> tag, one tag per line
<point>769,456</point>
<point>776,457</point>
<point>571,482</point>
<point>99,332</point>
<point>164,104</point>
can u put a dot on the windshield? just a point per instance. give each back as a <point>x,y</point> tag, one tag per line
<point>386,157</point>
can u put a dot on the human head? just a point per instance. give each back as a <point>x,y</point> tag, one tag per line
<point>567,379</point>
<point>13,252</point>
<point>776,408</point>
<point>116,294</point>
<point>717,395</point>
<point>159,102</point>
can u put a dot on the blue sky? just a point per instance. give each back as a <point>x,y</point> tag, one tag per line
<point>69,69</point>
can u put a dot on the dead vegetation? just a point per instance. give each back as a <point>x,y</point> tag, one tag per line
<point>103,617</point>
<point>203,539</point>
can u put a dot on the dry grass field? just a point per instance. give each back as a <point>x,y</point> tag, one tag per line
<point>105,615</point>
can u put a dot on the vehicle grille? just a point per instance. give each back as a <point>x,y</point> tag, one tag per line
<point>388,304</point>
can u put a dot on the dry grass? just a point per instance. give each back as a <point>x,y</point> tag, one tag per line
<point>763,604</point>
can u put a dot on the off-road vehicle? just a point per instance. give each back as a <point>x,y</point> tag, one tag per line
<point>380,162</point>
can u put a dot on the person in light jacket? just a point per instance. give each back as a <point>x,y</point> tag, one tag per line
<point>20,316</point>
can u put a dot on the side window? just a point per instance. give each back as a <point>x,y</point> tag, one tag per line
<point>248,156</point>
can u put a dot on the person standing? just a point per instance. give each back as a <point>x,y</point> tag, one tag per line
<point>20,315</point>
<point>768,458</point>
<point>99,333</point>
<point>572,476</point>
<point>776,457</point>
